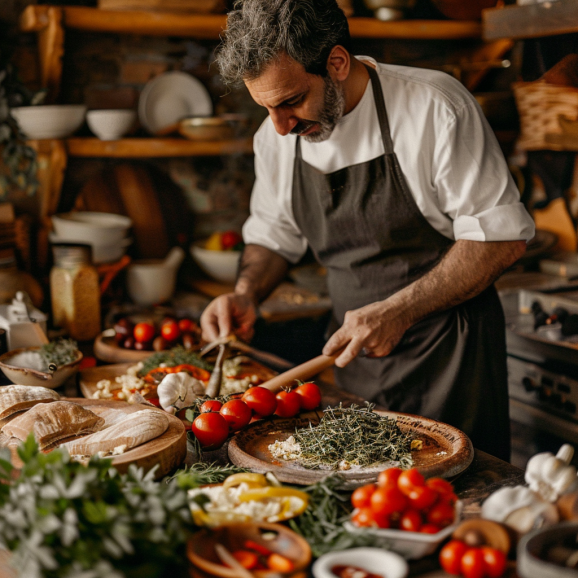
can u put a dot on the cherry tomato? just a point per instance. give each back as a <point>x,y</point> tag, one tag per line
<point>237,413</point>
<point>410,520</point>
<point>442,514</point>
<point>186,325</point>
<point>440,485</point>
<point>211,429</point>
<point>310,395</point>
<point>472,564</point>
<point>364,518</point>
<point>409,480</point>
<point>386,501</point>
<point>388,478</point>
<point>248,560</point>
<point>261,400</point>
<point>429,529</point>
<point>422,497</point>
<point>280,563</point>
<point>361,497</point>
<point>211,405</point>
<point>288,404</point>
<point>451,556</point>
<point>170,331</point>
<point>229,239</point>
<point>495,561</point>
<point>143,332</point>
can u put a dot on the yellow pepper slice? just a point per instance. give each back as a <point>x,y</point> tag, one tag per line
<point>252,480</point>
<point>274,492</point>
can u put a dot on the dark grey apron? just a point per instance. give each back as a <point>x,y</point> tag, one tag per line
<point>364,226</point>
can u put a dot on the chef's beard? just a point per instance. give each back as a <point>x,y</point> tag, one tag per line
<point>331,112</point>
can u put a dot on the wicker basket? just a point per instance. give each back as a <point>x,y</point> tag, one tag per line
<point>540,105</point>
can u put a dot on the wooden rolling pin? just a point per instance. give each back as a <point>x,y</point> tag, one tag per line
<point>302,372</point>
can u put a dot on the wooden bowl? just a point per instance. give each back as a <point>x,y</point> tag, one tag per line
<point>201,548</point>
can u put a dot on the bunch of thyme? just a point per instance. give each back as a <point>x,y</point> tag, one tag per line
<point>353,435</point>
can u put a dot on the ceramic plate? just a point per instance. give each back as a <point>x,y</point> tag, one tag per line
<point>446,451</point>
<point>171,96</point>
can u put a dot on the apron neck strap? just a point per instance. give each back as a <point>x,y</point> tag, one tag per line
<point>381,114</point>
<point>381,110</point>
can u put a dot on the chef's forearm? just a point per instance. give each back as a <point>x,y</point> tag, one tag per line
<point>260,272</point>
<point>466,270</point>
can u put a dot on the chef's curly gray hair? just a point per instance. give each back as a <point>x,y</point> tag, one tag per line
<point>259,31</point>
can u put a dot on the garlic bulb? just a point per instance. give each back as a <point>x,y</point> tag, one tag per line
<point>551,475</point>
<point>178,390</point>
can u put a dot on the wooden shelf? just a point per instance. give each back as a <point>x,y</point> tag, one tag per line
<point>154,147</point>
<point>531,21</point>
<point>209,26</point>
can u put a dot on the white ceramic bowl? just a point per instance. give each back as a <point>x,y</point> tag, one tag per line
<point>91,227</point>
<point>150,282</point>
<point>374,560</point>
<point>110,124</point>
<point>25,376</point>
<point>410,545</point>
<point>220,265</point>
<point>49,121</point>
<point>101,253</point>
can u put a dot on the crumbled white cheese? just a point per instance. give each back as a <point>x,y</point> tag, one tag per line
<point>287,450</point>
<point>119,450</point>
<point>125,382</point>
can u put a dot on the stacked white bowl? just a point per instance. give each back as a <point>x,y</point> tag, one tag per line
<point>107,233</point>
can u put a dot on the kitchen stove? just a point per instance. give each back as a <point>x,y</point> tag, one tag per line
<point>542,376</point>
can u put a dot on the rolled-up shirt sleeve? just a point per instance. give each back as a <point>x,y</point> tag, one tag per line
<point>271,223</point>
<point>473,183</point>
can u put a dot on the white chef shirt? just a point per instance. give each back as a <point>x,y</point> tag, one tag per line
<point>448,153</point>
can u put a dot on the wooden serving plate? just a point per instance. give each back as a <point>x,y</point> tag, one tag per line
<point>446,450</point>
<point>106,349</point>
<point>168,450</point>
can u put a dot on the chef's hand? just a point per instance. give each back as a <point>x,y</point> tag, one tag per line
<point>229,313</point>
<point>372,331</point>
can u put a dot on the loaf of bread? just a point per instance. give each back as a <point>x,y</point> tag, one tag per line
<point>564,73</point>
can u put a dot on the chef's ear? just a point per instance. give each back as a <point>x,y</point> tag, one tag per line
<point>339,63</point>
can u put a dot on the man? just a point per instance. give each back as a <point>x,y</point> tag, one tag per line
<point>396,182</point>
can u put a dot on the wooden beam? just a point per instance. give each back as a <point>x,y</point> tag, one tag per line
<point>414,29</point>
<point>531,21</point>
<point>154,147</point>
<point>51,50</point>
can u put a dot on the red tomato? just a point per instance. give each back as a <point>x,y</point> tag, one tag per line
<point>280,563</point>
<point>361,497</point>
<point>211,429</point>
<point>410,520</point>
<point>261,400</point>
<point>237,413</point>
<point>247,559</point>
<point>364,518</point>
<point>440,485</point>
<point>473,565</point>
<point>211,405</point>
<point>186,325</point>
<point>288,404</point>
<point>495,561</point>
<point>143,332</point>
<point>409,480</point>
<point>422,497</point>
<point>170,331</point>
<point>230,238</point>
<point>386,501</point>
<point>442,514</point>
<point>451,556</point>
<point>388,478</point>
<point>429,529</point>
<point>310,395</point>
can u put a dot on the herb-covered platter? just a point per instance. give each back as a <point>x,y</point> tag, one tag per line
<point>445,450</point>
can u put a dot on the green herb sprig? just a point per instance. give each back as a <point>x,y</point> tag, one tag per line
<point>202,474</point>
<point>176,356</point>
<point>353,436</point>
<point>322,522</point>
<point>60,352</point>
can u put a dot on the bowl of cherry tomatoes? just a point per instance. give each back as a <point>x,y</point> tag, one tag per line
<point>405,512</point>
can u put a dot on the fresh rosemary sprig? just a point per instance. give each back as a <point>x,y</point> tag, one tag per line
<point>201,474</point>
<point>176,356</point>
<point>322,522</point>
<point>353,435</point>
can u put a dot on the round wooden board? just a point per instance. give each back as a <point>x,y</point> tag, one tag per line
<point>168,450</point>
<point>446,450</point>
<point>106,349</point>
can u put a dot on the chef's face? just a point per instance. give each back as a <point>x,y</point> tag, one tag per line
<point>298,102</point>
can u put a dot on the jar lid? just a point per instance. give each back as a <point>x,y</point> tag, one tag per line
<point>72,253</point>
